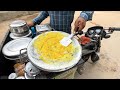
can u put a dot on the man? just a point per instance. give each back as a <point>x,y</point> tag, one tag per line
<point>61,20</point>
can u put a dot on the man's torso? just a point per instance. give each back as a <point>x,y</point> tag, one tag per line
<point>61,20</point>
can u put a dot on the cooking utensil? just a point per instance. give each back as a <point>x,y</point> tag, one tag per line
<point>67,40</point>
<point>12,36</point>
<point>20,77</point>
<point>28,77</point>
<point>19,28</point>
<point>34,56</point>
<point>13,48</point>
<point>12,76</point>
<point>31,70</point>
<point>42,28</point>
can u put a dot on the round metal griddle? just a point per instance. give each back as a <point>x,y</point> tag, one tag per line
<point>34,58</point>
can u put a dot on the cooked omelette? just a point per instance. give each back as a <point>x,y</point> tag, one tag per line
<point>50,50</point>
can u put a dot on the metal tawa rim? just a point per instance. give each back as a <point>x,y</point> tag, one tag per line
<point>49,68</point>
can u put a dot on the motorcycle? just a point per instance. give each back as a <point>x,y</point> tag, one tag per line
<point>91,43</point>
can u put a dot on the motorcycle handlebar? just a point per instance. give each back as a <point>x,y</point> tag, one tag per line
<point>110,30</point>
<point>114,28</point>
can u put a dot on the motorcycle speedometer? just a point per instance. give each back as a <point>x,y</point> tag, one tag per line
<point>98,31</point>
<point>91,32</point>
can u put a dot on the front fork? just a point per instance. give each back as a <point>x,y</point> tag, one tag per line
<point>95,55</point>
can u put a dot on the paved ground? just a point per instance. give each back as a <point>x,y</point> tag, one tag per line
<point>109,64</point>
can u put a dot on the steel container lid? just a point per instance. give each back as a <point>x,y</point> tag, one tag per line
<point>17,23</point>
<point>13,47</point>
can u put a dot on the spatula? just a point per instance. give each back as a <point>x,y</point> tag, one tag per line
<point>67,40</point>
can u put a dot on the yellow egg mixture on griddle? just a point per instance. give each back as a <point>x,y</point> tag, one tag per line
<point>50,50</point>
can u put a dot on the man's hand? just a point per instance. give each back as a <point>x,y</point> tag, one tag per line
<point>30,24</point>
<point>79,24</point>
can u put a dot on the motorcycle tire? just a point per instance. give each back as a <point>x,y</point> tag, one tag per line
<point>80,69</point>
<point>94,57</point>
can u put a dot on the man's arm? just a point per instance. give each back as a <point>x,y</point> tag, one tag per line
<point>40,17</point>
<point>87,15</point>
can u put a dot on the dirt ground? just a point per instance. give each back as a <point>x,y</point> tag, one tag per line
<point>108,67</point>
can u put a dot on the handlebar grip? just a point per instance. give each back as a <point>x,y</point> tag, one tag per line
<point>114,28</point>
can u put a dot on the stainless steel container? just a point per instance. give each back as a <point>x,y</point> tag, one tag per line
<point>31,70</point>
<point>19,28</point>
<point>12,36</point>
<point>43,28</point>
<point>16,49</point>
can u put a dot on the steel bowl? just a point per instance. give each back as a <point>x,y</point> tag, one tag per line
<point>19,28</point>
